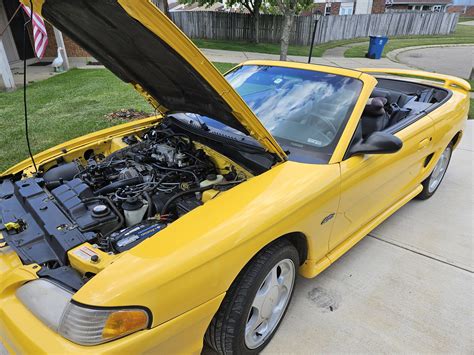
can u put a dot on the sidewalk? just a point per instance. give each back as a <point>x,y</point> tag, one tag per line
<point>215,55</point>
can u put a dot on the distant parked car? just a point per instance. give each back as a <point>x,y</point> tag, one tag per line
<point>191,225</point>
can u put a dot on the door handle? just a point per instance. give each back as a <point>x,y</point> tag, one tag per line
<point>424,143</point>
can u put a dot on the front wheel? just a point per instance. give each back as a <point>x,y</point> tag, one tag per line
<point>256,302</point>
<point>432,182</point>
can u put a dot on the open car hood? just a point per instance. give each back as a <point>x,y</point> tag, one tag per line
<point>140,45</point>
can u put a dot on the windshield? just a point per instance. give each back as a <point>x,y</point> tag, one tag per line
<point>304,110</point>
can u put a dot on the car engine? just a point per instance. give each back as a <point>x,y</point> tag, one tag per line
<point>111,203</point>
<point>159,178</point>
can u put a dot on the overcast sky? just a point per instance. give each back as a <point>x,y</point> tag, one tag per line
<point>463,2</point>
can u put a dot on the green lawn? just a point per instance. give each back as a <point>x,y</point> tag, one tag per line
<point>64,107</point>
<point>463,35</point>
<point>224,67</point>
<point>269,48</point>
<point>466,18</point>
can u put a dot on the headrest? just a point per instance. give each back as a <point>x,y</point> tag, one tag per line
<point>375,106</point>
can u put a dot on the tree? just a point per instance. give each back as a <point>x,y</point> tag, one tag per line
<point>162,5</point>
<point>253,7</point>
<point>289,9</point>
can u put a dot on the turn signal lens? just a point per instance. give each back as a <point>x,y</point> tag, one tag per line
<point>124,322</point>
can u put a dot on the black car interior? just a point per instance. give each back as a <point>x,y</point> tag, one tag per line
<point>394,103</point>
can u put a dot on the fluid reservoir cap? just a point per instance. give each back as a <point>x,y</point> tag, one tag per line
<point>132,204</point>
<point>100,211</point>
<point>211,177</point>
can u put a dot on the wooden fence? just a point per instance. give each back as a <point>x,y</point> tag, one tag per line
<point>232,26</point>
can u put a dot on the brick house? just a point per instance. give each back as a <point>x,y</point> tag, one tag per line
<point>350,7</point>
<point>418,5</point>
<point>463,10</point>
<point>13,37</point>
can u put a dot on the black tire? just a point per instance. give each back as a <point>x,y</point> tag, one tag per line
<point>226,333</point>
<point>426,193</point>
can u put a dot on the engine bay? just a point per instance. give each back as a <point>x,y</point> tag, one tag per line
<point>78,215</point>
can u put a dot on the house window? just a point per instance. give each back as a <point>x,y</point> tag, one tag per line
<point>436,8</point>
<point>327,9</point>
<point>346,9</point>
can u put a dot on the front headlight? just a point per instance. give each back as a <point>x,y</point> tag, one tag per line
<point>80,324</point>
<point>45,300</point>
<point>88,326</point>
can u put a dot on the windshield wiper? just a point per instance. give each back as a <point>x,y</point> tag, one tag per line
<point>201,123</point>
<point>238,140</point>
<point>191,119</point>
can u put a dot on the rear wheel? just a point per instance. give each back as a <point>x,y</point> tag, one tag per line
<point>431,184</point>
<point>256,302</point>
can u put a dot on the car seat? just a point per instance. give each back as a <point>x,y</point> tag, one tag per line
<point>393,97</point>
<point>374,118</point>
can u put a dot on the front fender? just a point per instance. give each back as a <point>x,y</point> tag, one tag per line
<point>198,256</point>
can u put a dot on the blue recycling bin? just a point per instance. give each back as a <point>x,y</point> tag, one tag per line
<point>376,45</point>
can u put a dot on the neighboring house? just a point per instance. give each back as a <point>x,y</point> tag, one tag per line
<point>418,5</point>
<point>349,7</point>
<point>463,10</point>
<point>13,37</point>
<point>326,7</point>
<point>463,7</point>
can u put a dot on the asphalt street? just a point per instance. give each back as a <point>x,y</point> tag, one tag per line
<point>456,61</point>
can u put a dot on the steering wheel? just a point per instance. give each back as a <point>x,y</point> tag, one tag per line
<point>327,123</point>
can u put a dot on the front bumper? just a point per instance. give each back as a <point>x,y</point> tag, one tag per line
<point>22,332</point>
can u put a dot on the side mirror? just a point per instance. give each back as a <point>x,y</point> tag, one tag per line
<point>377,143</point>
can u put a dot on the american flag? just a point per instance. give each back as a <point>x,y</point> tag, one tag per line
<point>39,32</point>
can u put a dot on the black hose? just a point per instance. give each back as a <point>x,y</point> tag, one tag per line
<point>178,195</point>
<point>115,185</point>
<point>181,170</point>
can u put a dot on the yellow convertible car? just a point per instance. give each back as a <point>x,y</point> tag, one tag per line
<point>190,227</point>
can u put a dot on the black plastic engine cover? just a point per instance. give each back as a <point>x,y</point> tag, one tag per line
<point>78,201</point>
<point>46,232</point>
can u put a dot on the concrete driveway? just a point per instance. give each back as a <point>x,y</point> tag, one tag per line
<point>407,287</point>
<point>457,61</point>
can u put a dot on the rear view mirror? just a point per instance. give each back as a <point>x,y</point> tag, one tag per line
<point>377,143</point>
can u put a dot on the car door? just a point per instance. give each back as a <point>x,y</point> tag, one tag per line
<point>372,183</point>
